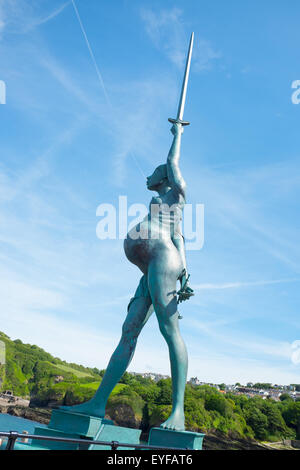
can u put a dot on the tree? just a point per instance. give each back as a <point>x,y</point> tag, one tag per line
<point>258,422</point>
<point>165,393</point>
<point>218,402</point>
<point>127,379</point>
<point>291,415</point>
<point>285,396</point>
<point>276,423</point>
<point>263,385</point>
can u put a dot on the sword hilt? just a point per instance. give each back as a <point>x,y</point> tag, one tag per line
<point>179,121</point>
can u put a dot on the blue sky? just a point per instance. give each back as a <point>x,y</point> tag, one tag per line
<point>70,142</point>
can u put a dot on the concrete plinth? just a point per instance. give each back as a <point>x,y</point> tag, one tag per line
<point>79,426</point>
<point>76,423</point>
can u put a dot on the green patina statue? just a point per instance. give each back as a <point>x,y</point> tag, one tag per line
<point>156,246</point>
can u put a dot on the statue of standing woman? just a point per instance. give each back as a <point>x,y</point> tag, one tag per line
<point>156,247</point>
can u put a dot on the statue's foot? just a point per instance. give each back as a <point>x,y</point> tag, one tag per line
<point>175,422</point>
<point>88,408</point>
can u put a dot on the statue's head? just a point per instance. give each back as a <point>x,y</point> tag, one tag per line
<point>158,178</point>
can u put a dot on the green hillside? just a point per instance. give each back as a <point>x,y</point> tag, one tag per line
<point>31,372</point>
<point>138,402</point>
<point>77,373</point>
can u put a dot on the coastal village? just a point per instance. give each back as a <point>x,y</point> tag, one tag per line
<point>273,391</point>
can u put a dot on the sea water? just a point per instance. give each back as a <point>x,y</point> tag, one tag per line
<point>14,423</point>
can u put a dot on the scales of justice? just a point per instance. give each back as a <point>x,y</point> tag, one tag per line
<point>159,252</point>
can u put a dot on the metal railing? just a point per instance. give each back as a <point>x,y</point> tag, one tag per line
<point>12,437</point>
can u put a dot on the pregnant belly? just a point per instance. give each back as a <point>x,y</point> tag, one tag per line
<point>143,244</point>
<point>139,252</point>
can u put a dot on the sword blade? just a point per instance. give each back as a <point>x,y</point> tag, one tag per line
<point>185,80</point>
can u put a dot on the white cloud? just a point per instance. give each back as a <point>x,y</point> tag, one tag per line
<point>65,79</point>
<point>138,101</point>
<point>50,16</point>
<point>68,339</point>
<point>167,31</point>
<point>132,138</point>
<point>249,204</point>
<point>227,369</point>
<point>137,137</point>
<point>236,285</point>
<point>22,16</point>
<point>16,295</point>
<point>3,17</point>
<point>15,15</point>
<point>204,55</point>
<point>246,344</point>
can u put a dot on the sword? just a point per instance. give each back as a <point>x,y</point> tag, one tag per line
<point>184,88</point>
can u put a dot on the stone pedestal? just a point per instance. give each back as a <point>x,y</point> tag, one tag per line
<point>79,426</point>
<point>177,439</point>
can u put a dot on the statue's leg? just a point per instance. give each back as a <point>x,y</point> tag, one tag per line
<point>162,286</point>
<point>139,311</point>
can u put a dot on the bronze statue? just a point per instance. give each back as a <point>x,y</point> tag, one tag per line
<point>156,246</point>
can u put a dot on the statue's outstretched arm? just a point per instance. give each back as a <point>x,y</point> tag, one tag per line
<point>174,174</point>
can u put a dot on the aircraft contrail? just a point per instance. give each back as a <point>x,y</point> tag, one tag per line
<point>99,74</point>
